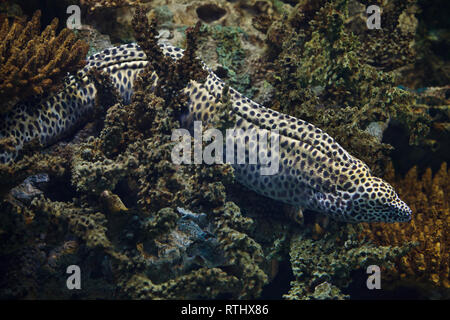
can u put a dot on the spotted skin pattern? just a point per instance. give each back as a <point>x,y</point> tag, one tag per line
<point>315,172</point>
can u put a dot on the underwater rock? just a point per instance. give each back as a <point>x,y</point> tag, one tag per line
<point>376,129</point>
<point>96,40</point>
<point>29,189</point>
<point>190,245</point>
<point>210,12</point>
<point>103,4</point>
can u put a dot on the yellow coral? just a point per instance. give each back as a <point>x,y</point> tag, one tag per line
<point>31,62</point>
<point>428,197</point>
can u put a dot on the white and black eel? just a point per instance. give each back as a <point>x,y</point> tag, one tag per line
<point>315,172</point>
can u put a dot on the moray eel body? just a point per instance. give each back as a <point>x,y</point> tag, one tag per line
<point>315,172</point>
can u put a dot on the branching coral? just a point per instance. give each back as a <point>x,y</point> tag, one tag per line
<point>428,197</point>
<point>124,192</point>
<point>174,76</point>
<point>34,63</point>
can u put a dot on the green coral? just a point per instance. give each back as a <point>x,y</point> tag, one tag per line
<point>230,55</point>
<point>322,268</point>
<point>324,77</point>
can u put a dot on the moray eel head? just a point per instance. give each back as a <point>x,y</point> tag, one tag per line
<point>376,201</point>
<point>371,200</point>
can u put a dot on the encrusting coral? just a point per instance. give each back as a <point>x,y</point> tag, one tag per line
<point>34,63</point>
<point>427,265</point>
<point>393,45</point>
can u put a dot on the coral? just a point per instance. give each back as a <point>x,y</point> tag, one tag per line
<point>34,63</point>
<point>21,281</point>
<point>231,44</point>
<point>428,263</point>
<point>323,75</point>
<point>127,217</point>
<point>102,4</point>
<point>62,234</point>
<point>230,55</point>
<point>173,76</point>
<point>322,266</point>
<point>54,163</point>
<point>142,227</point>
<point>393,45</point>
<point>95,173</point>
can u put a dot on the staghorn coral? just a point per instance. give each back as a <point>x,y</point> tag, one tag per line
<point>34,63</point>
<point>427,265</point>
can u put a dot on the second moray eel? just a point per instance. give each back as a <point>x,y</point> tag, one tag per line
<point>315,172</point>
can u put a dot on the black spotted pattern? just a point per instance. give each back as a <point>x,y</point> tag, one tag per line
<point>313,171</point>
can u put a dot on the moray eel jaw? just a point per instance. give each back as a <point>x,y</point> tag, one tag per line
<point>373,201</point>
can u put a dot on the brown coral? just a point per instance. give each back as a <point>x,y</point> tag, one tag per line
<point>428,197</point>
<point>32,63</point>
<point>100,4</point>
<point>393,45</point>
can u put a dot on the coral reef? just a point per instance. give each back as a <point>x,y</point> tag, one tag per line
<point>102,4</point>
<point>324,75</point>
<point>112,202</point>
<point>125,220</point>
<point>322,266</point>
<point>34,63</point>
<point>393,45</point>
<point>427,265</point>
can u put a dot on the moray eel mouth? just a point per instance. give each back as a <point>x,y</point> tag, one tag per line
<point>394,210</point>
<point>373,201</point>
<point>380,203</point>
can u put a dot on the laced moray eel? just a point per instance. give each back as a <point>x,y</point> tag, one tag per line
<point>315,172</point>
